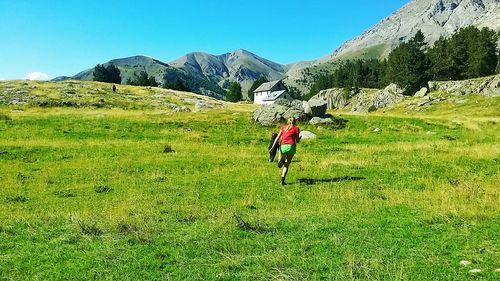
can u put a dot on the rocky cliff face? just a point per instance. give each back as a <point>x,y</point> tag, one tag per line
<point>436,18</point>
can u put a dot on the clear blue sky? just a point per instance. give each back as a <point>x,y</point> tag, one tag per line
<point>63,37</point>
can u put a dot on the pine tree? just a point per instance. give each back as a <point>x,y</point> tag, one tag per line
<point>113,74</point>
<point>408,64</point>
<point>143,79</point>
<point>482,53</point>
<point>234,93</point>
<point>109,74</point>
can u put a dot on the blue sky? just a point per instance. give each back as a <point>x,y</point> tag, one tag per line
<point>64,37</point>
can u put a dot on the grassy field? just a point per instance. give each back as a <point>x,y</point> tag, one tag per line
<point>114,194</point>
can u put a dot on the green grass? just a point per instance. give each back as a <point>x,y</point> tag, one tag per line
<point>87,94</point>
<point>95,194</point>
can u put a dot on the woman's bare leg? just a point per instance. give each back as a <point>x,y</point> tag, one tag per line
<point>285,168</point>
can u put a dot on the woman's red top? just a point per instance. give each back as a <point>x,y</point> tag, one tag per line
<point>290,136</point>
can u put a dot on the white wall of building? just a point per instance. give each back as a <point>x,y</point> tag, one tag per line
<point>259,97</point>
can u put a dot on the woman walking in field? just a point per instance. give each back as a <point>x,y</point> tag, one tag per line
<point>288,137</point>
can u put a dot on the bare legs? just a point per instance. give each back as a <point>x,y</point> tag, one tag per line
<point>286,166</point>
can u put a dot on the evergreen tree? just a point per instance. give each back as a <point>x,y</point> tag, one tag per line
<point>482,53</point>
<point>441,61</point>
<point>408,64</point>
<point>143,79</point>
<point>113,74</point>
<point>109,74</point>
<point>234,93</point>
<point>100,73</point>
<point>179,85</point>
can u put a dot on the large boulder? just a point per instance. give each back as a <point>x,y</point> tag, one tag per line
<point>366,101</point>
<point>305,135</point>
<point>279,112</point>
<point>335,98</point>
<point>362,102</point>
<point>321,121</point>
<point>389,96</point>
<point>421,93</point>
<point>317,107</point>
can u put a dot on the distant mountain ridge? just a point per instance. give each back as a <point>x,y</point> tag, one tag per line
<point>239,66</point>
<point>208,74</point>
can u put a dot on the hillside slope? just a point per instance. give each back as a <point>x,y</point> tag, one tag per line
<point>161,71</point>
<point>90,94</point>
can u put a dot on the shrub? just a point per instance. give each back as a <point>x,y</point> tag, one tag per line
<point>103,189</point>
<point>90,228</point>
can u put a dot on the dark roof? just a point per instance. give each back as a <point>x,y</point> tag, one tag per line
<point>266,86</point>
<point>274,95</point>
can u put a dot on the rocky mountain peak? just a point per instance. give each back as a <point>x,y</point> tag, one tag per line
<point>436,18</point>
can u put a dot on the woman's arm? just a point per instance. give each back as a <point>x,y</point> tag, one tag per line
<point>297,137</point>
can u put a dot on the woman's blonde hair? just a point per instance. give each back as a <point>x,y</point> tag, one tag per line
<point>291,122</point>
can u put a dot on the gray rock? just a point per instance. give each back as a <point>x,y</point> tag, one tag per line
<point>182,109</point>
<point>389,96</point>
<point>318,107</point>
<point>367,102</point>
<point>319,120</point>
<point>458,101</point>
<point>307,108</point>
<point>377,130</point>
<point>279,112</point>
<point>336,98</point>
<point>465,263</point>
<point>305,135</point>
<point>422,93</point>
<point>201,105</point>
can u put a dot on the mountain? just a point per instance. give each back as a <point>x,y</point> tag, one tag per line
<point>239,66</point>
<point>203,73</point>
<point>210,74</point>
<point>436,18</point>
<point>161,71</point>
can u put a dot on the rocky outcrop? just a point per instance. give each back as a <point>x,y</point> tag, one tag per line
<point>485,86</point>
<point>362,100</point>
<point>201,105</point>
<point>335,98</point>
<point>279,112</point>
<point>389,96</point>
<point>282,110</point>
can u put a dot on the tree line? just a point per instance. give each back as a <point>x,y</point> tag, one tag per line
<point>469,53</point>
